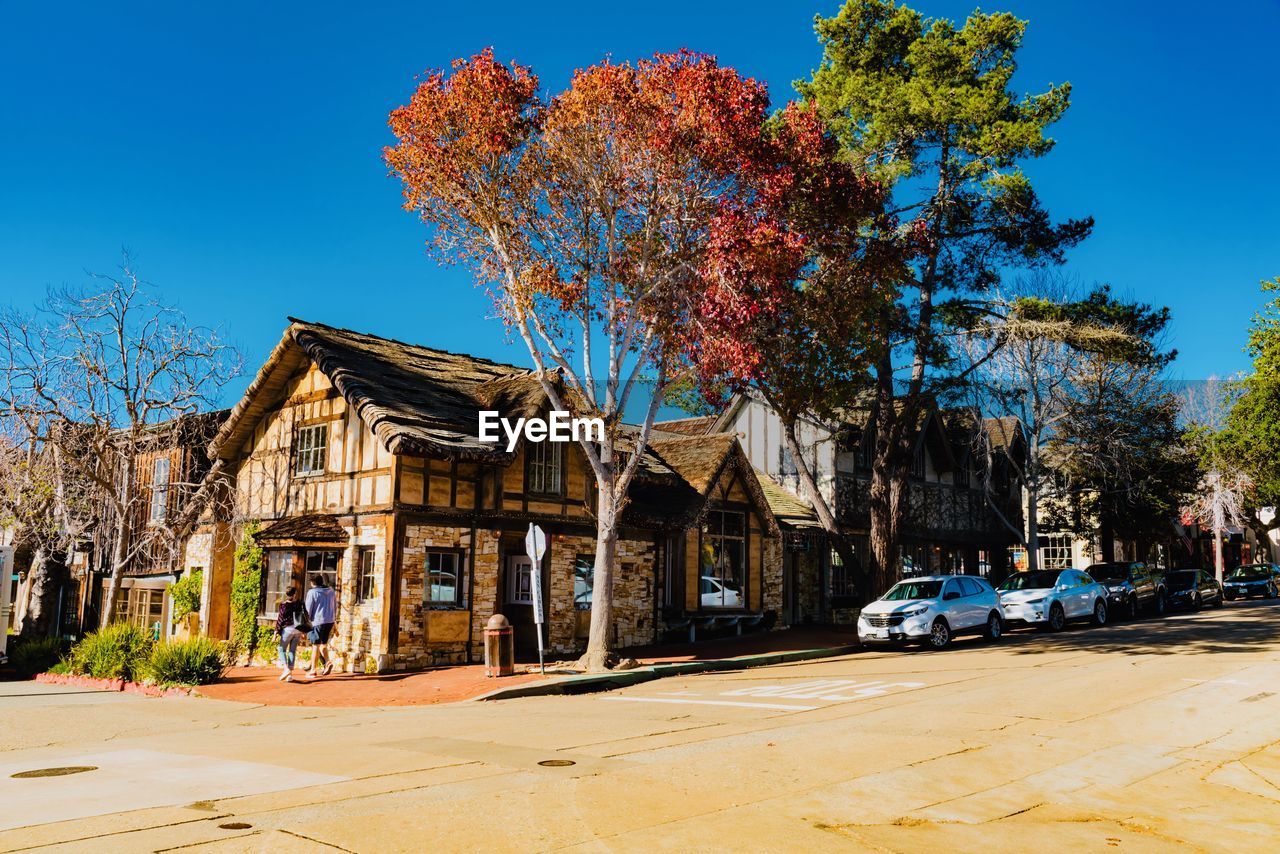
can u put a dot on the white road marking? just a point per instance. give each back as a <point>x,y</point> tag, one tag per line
<point>833,690</point>
<point>683,702</point>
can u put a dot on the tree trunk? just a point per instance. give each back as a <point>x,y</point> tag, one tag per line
<point>888,475</point>
<point>1033,528</point>
<point>48,576</point>
<point>600,656</point>
<point>1219,521</point>
<point>119,553</point>
<point>886,528</point>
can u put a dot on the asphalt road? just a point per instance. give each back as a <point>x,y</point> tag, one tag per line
<point>1151,735</point>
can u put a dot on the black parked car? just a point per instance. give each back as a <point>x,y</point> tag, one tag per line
<point>1253,579</point>
<point>1193,588</point>
<point>1131,588</point>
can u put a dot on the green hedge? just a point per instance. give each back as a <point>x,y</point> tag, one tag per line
<point>197,661</point>
<point>36,655</point>
<point>120,651</point>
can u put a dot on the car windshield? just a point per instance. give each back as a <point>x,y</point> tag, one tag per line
<point>904,590</point>
<point>1249,573</point>
<point>1110,571</point>
<point>1041,580</point>
<point>1181,580</point>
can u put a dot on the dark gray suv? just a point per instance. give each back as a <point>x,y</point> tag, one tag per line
<point>1132,588</point>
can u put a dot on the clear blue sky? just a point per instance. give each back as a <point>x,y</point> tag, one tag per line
<point>234,147</point>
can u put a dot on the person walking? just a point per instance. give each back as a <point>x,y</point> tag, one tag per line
<point>291,622</point>
<point>322,608</point>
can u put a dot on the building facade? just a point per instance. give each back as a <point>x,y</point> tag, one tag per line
<point>358,458</point>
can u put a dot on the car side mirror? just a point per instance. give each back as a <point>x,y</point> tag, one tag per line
<point>949,596</point>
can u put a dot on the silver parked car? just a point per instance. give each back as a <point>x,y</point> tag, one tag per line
<point>932,609</point>
<point>1050,597</point>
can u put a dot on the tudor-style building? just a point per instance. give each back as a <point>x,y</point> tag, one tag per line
<point>957,521</point>
<point>358,457</point>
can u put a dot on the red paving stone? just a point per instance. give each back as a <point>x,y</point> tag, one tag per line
<point>451,684</point>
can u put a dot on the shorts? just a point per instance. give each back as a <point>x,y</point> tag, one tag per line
<point>320,633</point>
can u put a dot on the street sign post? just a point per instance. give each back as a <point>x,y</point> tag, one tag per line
<point>535,546</point>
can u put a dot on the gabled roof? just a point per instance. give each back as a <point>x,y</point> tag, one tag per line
<point>699,461</point>
<point>415,399</point>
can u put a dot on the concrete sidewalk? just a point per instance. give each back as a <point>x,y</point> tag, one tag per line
<point>466,682</point>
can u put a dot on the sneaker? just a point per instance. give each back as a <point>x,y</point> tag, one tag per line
<point>328,668</point>
<point>288,677</point>
<point>284,675</point>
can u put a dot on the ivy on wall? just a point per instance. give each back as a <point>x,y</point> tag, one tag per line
<point>185,595</point>
<point>246,591</point>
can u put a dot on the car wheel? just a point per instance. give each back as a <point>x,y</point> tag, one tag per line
<point>1132,611</point>
<point>994,628</point>
<point>1271,591</point>
<point>1057,618</point>
<point>939,635</point>
<point>1161,605</point>
<point>1100,613</point>
<point>1196,602</point>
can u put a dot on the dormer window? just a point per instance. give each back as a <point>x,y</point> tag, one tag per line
<point>310,450</point>
<point>159,490</point>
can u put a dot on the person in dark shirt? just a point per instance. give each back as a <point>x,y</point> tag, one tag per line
<point>290,625</point>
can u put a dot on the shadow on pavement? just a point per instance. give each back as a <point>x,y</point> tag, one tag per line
<point>1244,626</point>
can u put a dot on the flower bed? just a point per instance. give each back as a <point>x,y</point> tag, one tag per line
<point>140,688</point>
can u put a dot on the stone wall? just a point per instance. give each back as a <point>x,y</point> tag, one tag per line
<point>435,635</point>
<point>357,635</point>
<point>633,582</point>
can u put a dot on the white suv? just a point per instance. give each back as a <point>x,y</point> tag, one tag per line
<point>932,609</point>
<point>1050,597</point>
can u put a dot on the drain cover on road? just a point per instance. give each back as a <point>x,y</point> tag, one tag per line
<point>54,772</point>
<point>557,763</point>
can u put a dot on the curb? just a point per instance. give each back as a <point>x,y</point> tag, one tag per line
<point>121,685</point>
<point>591,683</point>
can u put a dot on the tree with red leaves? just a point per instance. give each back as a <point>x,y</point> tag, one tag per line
<point>795,282</point>
<point>590,217</point>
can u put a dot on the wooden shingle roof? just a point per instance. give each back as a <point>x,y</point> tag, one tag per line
<point>415,399</point>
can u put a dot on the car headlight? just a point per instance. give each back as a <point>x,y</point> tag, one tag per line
<point>915,612</point>
<point>1039,601</point>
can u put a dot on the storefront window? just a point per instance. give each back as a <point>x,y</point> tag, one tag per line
<point>325,565</point>
<point>723,560</point>
<point>279,577</point>
<point>444,578</point>
<point>584,581</point>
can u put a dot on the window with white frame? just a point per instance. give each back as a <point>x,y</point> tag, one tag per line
<point>279,579</point>
<point>724,560</point>
<point>543,467</point>
<point>368,577</point>
<point>1055,551</point>
<point>444,579</point>
<point>324,564</point>
<point>310,449</point>
<point>159,490</point>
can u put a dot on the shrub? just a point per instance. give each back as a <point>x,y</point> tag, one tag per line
<point>185,595</point>
<point>35,655</point>
<point>119,651</point>
<point>197,661</point>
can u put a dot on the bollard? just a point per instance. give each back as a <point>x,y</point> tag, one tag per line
<point>499,647</point>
